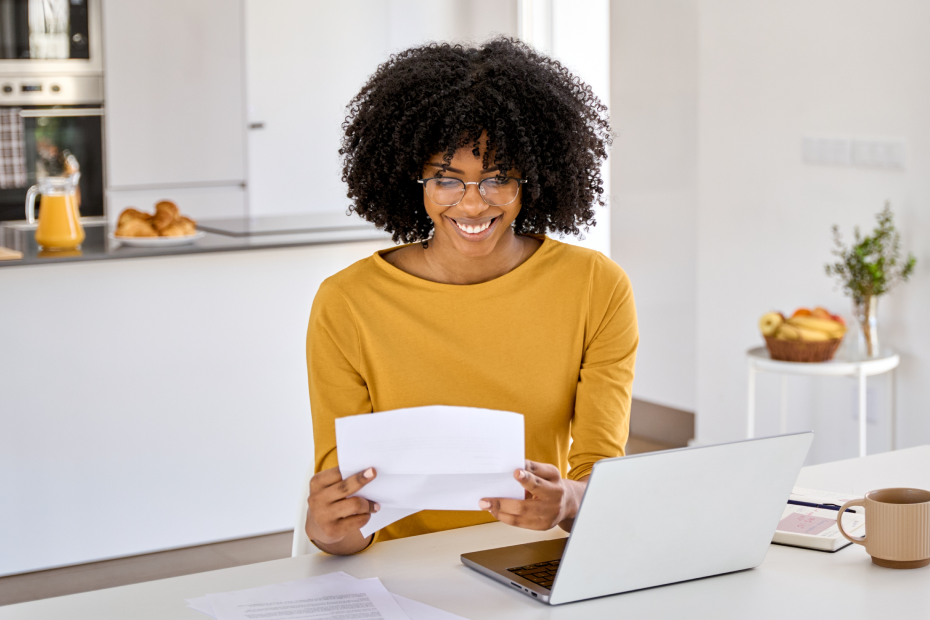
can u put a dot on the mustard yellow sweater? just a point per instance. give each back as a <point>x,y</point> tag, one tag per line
<point>555,339</point>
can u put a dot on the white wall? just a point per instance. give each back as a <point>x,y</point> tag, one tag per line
<point>306,60</point>
<point>577,34</point>
<point>717,220</point>
<point>581,41</point>
<point>653,102</point>
<point>769,74</point>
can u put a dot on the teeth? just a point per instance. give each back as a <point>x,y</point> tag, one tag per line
<point>474,229</point>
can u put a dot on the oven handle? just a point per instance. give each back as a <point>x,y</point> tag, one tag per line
<point>61,112</point>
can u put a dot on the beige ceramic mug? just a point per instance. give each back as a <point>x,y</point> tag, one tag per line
<point>897,527</point>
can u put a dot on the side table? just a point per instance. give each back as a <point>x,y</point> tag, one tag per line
<point>759,360</point>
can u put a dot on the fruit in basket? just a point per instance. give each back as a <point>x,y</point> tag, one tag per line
<point>829,327</point>
<point>787,332</point>
<point>769,323</point>
<point>804,325</point>
<point>811,335</point>
<point>821,313</point>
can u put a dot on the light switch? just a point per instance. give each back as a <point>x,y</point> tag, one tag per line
<point>830,151</point>
<point>853,152</point>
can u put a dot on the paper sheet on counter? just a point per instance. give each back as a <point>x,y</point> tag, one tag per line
<point>414,610</point>
<point>432,458</point>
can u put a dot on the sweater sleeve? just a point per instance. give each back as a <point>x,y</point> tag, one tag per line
<point>601,420</point>
<point>337,387</point>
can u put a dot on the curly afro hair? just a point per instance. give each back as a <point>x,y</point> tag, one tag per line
<point>540,120</point>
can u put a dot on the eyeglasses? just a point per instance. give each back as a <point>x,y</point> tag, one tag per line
<point>448,191</point>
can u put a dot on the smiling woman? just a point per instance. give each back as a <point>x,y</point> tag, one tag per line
<point>470,156</point>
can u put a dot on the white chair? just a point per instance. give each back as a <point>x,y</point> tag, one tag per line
<point>302,544</point>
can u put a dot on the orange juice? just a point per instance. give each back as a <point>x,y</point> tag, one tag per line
<point>59,222</point>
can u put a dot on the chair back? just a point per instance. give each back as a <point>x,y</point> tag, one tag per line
<point>302,544</point>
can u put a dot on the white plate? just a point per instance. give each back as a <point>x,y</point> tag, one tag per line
<point>157,242</point>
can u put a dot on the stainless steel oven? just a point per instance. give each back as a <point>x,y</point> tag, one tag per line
<point>43,121</point>
<point>50,37</point>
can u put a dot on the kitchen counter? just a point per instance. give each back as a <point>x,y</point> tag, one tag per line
<point>163,401</point>
<point>226,235</point>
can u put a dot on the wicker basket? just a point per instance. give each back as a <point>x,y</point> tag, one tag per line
<point>802,351</point>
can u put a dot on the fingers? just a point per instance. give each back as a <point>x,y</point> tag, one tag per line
<point>515,507</point>
<point>331,513</point>
<point>536,485</point>
<point>336,531</point>
<point>546,471</point>
<point>352,506</point>
<point>350,486</point>
<point>324,479</point>
<point>519,513</point>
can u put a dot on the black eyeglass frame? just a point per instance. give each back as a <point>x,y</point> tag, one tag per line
<point>465,184</point>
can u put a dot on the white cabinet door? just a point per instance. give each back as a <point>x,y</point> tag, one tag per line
<point>174,92</point>
<point>199,203</point>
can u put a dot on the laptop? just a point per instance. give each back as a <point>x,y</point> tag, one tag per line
<point>659,518</point>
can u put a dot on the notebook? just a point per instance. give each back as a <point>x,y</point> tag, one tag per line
<point>810,523</point>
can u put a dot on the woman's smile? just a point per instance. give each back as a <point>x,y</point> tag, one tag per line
<point>475,229</point>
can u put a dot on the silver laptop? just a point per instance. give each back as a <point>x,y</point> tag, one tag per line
<point>654,519</point>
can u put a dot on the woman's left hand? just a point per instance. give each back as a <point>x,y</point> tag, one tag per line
<point>550,499</point>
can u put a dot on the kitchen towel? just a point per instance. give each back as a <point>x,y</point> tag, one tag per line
<point>12,149</point>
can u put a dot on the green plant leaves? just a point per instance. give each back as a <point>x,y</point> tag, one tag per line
<point>871,265</point>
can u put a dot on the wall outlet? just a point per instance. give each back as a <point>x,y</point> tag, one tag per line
<point>887,154</point>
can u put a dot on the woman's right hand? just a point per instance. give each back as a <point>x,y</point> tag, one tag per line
<point>334,519</point>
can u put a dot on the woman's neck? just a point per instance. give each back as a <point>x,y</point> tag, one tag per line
<point>449,266</point>
<point>442,263</point>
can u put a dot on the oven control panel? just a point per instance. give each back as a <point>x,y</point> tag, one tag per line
<point>50,90</point>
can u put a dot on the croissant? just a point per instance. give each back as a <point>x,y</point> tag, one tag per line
<point>135,228</point>
<point>132,214</point>
<point>189,225</point>
<point>166,212</point>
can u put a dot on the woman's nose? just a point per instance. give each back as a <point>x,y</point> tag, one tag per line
<point>472,203</point>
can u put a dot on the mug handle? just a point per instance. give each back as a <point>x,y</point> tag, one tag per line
<point>859,540</point>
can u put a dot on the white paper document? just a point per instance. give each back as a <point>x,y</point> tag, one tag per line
<point>800,494</point>
<point>344,597</point>
<point>432,458</point>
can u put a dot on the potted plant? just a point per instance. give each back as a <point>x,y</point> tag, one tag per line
<point>868,269</point>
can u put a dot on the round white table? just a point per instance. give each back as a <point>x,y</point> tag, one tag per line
<point>759,360</point>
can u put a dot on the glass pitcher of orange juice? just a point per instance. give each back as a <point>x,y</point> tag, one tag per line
<point>59,217</point>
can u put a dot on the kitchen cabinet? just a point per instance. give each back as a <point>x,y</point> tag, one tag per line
<point>175,102</point>
<point>199,203</point>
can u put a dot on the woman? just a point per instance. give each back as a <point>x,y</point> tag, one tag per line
<point>471,155</point>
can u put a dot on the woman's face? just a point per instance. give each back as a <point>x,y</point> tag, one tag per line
<point>472,227</point>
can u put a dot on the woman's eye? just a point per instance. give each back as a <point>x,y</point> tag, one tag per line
<point>447,183</point>
<point>497,183</point>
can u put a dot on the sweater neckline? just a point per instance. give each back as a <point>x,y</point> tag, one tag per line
<point>400,274</point>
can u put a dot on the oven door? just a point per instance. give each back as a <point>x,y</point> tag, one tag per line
<point>33,141</point>
<point>39,37</point>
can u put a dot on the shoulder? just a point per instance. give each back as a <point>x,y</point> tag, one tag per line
<point>336,290</point>
<point>599,270</point>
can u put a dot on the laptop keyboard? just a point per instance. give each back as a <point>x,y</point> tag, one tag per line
<point>542,574</point>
